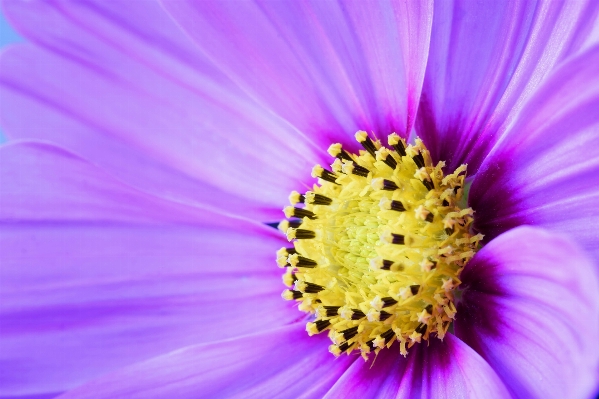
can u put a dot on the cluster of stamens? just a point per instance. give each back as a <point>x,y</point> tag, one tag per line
<point>378,246</point>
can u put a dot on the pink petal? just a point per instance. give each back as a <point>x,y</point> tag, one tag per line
<point>283,363</point>
<point>435,369</point>
<point>530,307</point>
<point>328,68</point>
<point>135,96</point>
<point>546,171</point>
<point>486,59</point>
<point>96,275</point>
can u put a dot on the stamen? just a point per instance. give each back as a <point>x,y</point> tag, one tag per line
<point>384,184</point>
<point>299,261</point>
<point>384,155</point>
<point>298,213</point>
<point>398,144</point>
<point>284,225</point>
<point>291,294</point>
<point>338,152</point>
<point>392,238</point>
<point>387,204</point>
<point>308,288</point>
<point>378,247</point>
<point>319,171</point>
<point>296,198</point>
<point>368,145</point>
<point>317,199</point>
<point>300,234</point>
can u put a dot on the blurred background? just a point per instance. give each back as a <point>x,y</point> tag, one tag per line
<point>7,37</point>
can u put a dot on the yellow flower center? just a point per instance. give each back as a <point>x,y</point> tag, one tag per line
<point>378,246</point>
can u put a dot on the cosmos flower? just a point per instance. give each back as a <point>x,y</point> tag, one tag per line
<point>150,144</point>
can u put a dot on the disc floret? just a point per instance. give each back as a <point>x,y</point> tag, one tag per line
<point>378,246</point>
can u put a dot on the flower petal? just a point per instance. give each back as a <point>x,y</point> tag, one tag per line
<point>434,369</point>
<point>530,307</point>
<point>486,59</point>
<point>137,97</point>
<point>546,170</point>
<point>96,275</point>
<point>328,68</point>
<point>283,363</point>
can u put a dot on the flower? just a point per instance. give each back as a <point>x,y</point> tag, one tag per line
<point>149,144</point>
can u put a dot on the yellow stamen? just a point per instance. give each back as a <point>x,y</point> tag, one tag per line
<point>379,244</point>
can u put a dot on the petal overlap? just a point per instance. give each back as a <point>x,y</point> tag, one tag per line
<point>448,369</point>
<point>486,59</point>
<point>545,171</point>
<point>530,308</point>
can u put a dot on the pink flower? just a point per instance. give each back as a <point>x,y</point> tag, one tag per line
<point>149,144</point>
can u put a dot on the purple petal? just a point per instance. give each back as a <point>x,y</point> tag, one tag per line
<point>96,275</point>
<point>328,68</point>
<point>546,171</point>
<point>485,61</point>
<point>283,363</point>
<point>530,307</point>
<point>135,96</point>
<point>434,369</point>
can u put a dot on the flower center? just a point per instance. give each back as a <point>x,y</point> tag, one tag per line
<point>378,246</point>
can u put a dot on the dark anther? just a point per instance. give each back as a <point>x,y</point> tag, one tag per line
<point>429,309</point>
<point>294,278</point>
<point>357,314</point>
<point>322,324</point>
<point>295,223</point>
<point>419,160</point>
<point>301,213</point>
<point>328,176</point>
<point>430,217</point>
<point>303,234</point>
<point>320,199</point>
<point>449,231</point>
<point>401,150</point>
<point>318,301</point>
<point>332,310</point>
<point>370,344</point>
<point>428,184</point>
<point>388,335</point>
<point>421,329</point>
<point>390,161</point>
<point>350,333</point>
<point>305,262</point>
<point>313,288</point>
<point>445,203</point>
<point>290,251</point>
<point>297,294</point>
<point>397,239</point>
<point>360,170</point>
<point>388,301</point>
<point>414,289</point>
<point>384,315</point>
<point>344,346</point>
<point>344,155</point>
<point>302,198</point>
<point>369,146</point>
<point>397,206</point>
<point>387,264</point>
<point>389,185</point>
